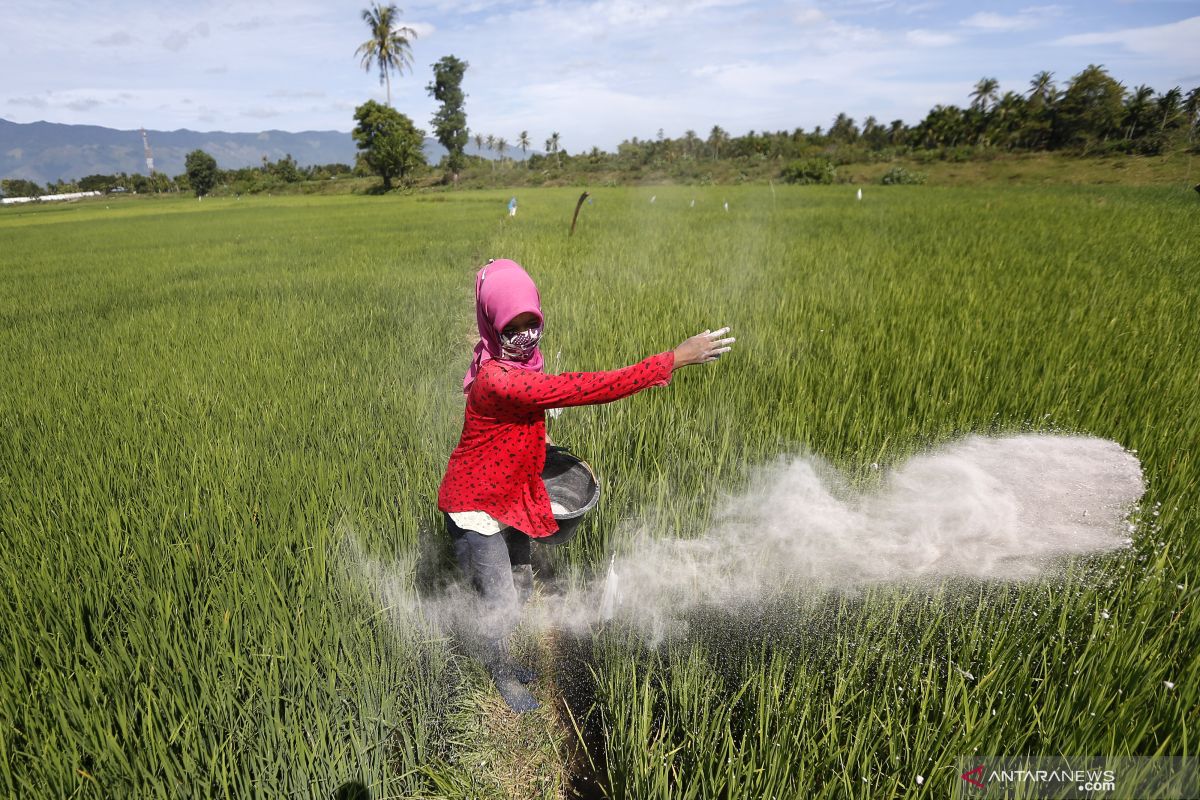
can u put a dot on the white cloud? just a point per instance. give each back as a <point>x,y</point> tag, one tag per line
<point>809,16</point>
<point>177,39</point>
<point>924,38</point>
<point>297,94</point>
<point>1025,19</point>
<point>749,77</point>
<point>423,29</point>
<point>261,112</point>
<point>584,110</point>
<point>83,104</point>
<point>466,6</point>
<point>31,101</point>
<point>115,39</point>
<point>598,20</point>
<point>1176,40</point>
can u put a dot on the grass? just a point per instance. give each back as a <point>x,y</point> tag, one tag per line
<point>212,412</point>
<point>1178,169</point>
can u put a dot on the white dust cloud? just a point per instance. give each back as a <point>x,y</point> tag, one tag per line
<point>1009,508</point>
<point>986,508</point>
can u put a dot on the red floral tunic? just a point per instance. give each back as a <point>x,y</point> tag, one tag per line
<point>497,466</point>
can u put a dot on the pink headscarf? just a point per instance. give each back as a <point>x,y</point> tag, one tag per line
<point>503,291</point>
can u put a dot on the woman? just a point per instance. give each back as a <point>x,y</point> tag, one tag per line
<point>492,494</point>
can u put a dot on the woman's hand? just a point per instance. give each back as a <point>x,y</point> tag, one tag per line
<point>702,348</point>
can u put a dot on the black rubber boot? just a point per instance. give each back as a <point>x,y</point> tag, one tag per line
<point>517,696</point>
<point>523,582</point>
<point>522,673</point>
<point>509,677</point>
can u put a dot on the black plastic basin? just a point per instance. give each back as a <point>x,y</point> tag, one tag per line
<point>571,484</point>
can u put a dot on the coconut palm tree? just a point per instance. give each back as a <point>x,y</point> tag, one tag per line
<point>552,146</point>
<point>1168,106</point>
<point>874,133</point>
<point>523,141</point>
<point>501,146</point>
<point>478,137</point>
<point>1042,86</point>
<point>388,48</point>
<point>1007,119</point>
<point>943,126</point>
<point>1191,107</point>
<point>1039,121</point>
<point>843,128</point>
<point>690,140</point>
<point>715,138</point>
<point>1137,110</point>
<point>985,94</point>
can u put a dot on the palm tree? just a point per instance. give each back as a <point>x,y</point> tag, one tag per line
<point>843,128</point>
<point>388,48</point>
<point>715,138</point>
<point>985,94</point>
<point>1007,118</point>
<point>1169,106</point>
<point>873,132</point>
<point>1039,121</point>
<point>1137,109</point>
<point>690,140</point>
<point>943,126</point>
<point>1191,107</point>
<point>552,146</point>
<point>478,142</point>
<point>489,142</point>
<point>1042,86</point>
<point>501,146</point>
<point>523,141</point>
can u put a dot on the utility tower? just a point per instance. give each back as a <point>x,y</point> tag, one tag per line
<point>149,155</point>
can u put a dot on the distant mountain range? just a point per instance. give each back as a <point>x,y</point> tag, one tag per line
<point>50,151</point>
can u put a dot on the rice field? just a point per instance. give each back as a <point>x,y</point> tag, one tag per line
<point>215,413</point>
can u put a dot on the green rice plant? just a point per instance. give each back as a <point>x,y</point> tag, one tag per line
<point>215,415</point>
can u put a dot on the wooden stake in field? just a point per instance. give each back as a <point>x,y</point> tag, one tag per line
<point>575,216</point>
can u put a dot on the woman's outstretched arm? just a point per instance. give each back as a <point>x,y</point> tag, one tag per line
<point>503,391</point>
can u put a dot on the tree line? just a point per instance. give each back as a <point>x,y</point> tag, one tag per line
<point>1092,114</point>
<point>200,173</point>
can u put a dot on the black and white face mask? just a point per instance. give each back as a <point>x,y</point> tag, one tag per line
<point>520,346</point>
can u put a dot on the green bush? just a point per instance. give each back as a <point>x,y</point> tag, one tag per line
<point>813,170</point>
<point>899,176</point>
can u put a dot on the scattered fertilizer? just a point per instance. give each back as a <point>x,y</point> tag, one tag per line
<point>1010,508</point>
<point>1004,509</point>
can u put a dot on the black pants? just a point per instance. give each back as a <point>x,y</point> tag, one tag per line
<point>499,568</point>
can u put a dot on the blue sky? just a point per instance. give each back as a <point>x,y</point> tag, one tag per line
<point>597,71</point>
